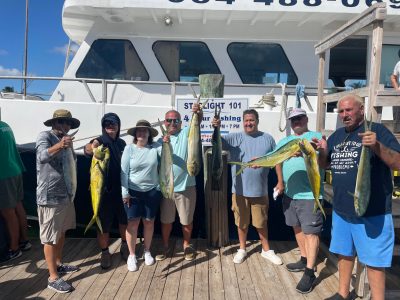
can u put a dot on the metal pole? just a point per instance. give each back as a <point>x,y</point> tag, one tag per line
<point>67,56</point>
<point>26,46</point>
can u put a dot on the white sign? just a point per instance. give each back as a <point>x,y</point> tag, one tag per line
<point>231,115</point>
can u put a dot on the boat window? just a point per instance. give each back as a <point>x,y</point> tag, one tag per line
<point>112,59</point>
<point>261,63</point>
<point>390,56</point>
<point>185,61</point>
<point>348,63</point>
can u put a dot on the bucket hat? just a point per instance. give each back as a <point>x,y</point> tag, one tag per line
<point>63,114</point>
<point>143,124</point>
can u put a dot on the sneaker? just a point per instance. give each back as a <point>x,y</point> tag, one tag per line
<point>66,269</point>
<point>13,255</point>
<point>25,245</point>
<point>60,286</point>
<point>190,253</point>
<point>132,263</point>
<point>105,260</point>
<point>306,284</point>
<point>124,250</point>
<point>166,253</point>
<point>148,259</point>
<point>298,266</point>
<point>239,256</point>
<point>271,256</point>
<point>337,296</point>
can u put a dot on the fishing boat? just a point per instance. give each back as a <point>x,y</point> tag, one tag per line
<point>140,58</point>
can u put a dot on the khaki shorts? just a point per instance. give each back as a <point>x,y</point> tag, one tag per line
<point>11,191</point>
<point>242,207</point>
<point>54,221</point>
<point>183,202</point>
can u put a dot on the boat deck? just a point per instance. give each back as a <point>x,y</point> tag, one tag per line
<point>212,275</point>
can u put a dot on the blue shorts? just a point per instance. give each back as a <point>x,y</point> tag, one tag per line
<point>372,238</point>
<point>143,204</point>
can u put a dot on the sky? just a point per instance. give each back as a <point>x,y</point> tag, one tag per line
<point>47,43</point>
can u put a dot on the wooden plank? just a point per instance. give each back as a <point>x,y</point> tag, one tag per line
<point>320,105</point>
<point>82,249</point>
<point>171,287</point>
<point>160,275</point>
<point>387,100</point>
<point>186,285</point>
<point>334,97</point>
<point>215,278</point>
<point>104,276</point>
<point>231,286</point>
<point>374,13</point>
<point>201,283</point>
<point>37,280</point>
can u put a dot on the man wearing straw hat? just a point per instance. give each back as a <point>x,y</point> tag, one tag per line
<point>56,211</point>
<point>111,205</point>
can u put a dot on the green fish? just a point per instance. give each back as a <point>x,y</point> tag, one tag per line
<point>166,174</point>
<point>314,177</point>
<point>98,173</point>
<point>216,155</point>
<point>362,191</point>
<point>272,158</point>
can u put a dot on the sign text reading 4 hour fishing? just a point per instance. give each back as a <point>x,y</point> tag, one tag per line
<point>231,115</point>
<point>345,3</point>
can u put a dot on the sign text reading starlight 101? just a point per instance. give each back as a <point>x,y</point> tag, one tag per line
<point>345,3</point>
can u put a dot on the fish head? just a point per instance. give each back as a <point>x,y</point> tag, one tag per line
<point>101,152</point>
<point>306,147</point>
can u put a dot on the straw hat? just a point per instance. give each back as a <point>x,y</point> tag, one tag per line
<point>63,114</point>
<point>143,124</point>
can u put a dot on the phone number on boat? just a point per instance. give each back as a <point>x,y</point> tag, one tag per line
<point>345,3</point>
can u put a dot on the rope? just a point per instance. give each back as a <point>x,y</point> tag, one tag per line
<point>283,108</point>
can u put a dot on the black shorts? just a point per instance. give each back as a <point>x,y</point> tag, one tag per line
<point>111,207</point>
<point>143,205</point>
<point>299,213</point>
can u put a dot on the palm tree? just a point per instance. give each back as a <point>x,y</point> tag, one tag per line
<point>8,89</point>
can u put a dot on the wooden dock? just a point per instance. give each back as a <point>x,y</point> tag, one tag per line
<point>212,275</point>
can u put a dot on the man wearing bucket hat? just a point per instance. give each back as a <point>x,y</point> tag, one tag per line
<point>298,202</point>
<point>56,211</point>
<point>111,205</point>
<point>140,194</point>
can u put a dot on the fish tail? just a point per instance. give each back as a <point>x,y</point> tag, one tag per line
<point>317,204</point>
<point>99,225</point>
<point>242,166</point>
<point>90,224</point>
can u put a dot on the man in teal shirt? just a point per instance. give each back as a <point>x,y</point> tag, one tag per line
<point>298,202</point>
<point>184,196</point>
<point>12,193</point>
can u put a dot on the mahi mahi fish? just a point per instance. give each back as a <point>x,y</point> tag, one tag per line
<point>216,155</point>
<point>69,169</point>
<point>273,158</point>
<point>314,177</point>
<point>362,191</point>
<point>166,173</point>
<point>193,163</point>
<point>98,173</point>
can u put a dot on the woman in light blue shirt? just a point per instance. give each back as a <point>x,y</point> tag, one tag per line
<point>140,193</point>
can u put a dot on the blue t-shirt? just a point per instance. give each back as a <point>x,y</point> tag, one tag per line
<point>139,168</point>
<point>297,185</point>
<point>243,147</point>
<point>344,154</point>
<point>179,143</point>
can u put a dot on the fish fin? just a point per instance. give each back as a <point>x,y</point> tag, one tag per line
<point>90,224</point>
<point>99,224</point>
<point>317,204</point>
<point>242,166</point>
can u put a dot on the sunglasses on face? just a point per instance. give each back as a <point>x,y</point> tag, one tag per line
<point>67,122</point>
<point>296,118</point>
<point>175,121</point>
<point>109,123</point>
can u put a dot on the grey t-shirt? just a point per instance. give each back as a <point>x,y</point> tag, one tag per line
<point>243,147</point>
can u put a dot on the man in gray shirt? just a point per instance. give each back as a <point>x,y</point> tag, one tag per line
<point>56,186</point>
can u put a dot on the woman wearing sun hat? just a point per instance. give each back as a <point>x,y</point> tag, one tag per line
<point>140,194</point>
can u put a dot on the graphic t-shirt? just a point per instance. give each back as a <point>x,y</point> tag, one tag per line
<point>344,153</point>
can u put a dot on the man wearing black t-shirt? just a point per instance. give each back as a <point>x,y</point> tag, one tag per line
<point>371,236</point>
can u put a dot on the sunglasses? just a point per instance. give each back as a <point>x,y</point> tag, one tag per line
<point>298,118</point>
<point>175,121</point>
<point>62,121</point>
<point>109,123</point>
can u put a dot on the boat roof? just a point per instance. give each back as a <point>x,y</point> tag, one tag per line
<point>79,16</point>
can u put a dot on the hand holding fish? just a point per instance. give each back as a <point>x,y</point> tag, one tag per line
<point>66,142</point>
<point>320,144</point>
<point>216,122</point>
<point>368,138</point>
<point>196,108</point>
<point>166,138</point>
<point>95,144</point>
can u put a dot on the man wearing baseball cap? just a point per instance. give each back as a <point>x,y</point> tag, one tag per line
<point>298,202</point>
